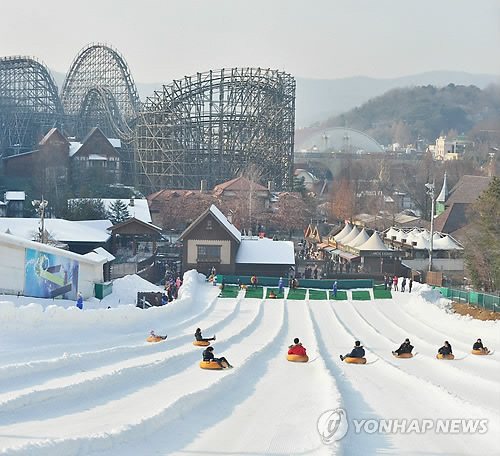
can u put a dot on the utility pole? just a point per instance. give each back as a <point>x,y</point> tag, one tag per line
<point>430,192</point>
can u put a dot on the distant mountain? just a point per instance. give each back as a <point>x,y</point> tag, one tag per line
<point>319,99</point>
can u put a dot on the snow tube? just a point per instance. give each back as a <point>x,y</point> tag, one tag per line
<point>211,365</point>
<point>201,343</point>
<point>298,358</point>
<point>355,360</point>
<point>404,355</point>
<point>155,339</point>
<point>440,356</point>
<point>480,352</point>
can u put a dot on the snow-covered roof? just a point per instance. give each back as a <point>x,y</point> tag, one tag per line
<point>224,221</point>
<point>12,239</point>
<point>140,209</point>
<point>115,142</point>
<point>97,157</point>
<point>15,196</point>
<point>104,253</point>
<point>351,236</point>
<point>60,229</point>
<point>265,251</point>
<point>360,239</point>
<point>374,243</point>
<point>73,147</point>
<point>345,231</point>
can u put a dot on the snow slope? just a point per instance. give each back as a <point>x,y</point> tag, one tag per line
<point>87,383</point>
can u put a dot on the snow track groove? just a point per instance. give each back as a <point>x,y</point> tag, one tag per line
<point>159,409</point>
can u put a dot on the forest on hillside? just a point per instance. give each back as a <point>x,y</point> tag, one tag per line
<point>418,115</point>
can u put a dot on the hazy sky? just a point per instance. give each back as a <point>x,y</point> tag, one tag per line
<point>328,39</point>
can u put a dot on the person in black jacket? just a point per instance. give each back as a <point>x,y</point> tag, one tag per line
<point>199,337</point>
<point>445,350</point>
<point>357,352</point>
<point>479,346</point>
<point>209,356</point>
<point>405,347</point>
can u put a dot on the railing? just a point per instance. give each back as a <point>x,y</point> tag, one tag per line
<point>483,300</point>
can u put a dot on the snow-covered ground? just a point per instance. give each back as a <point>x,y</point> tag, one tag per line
<point>86,382</point>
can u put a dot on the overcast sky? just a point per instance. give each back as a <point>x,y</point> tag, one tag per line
<point>328,39</point>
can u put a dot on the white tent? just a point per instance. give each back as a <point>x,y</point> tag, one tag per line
<point>445,243</point>
<point>345,231</point>
<point>393,232</point>
<point>360,239</point>
<point>351,236</point>
<point>374,244</point>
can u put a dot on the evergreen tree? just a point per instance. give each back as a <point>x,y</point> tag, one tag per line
<point>118,212</point>
<point>299,185</point>
<point>483,249</point>
<point>85,209</point>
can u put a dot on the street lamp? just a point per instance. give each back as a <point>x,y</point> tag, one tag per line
<point>430,192</point>
<point>40,206</point>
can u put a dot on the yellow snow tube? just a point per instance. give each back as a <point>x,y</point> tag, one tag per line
<point>211,365</point>
<point>298,358</point>
<point>355,360</point>
<point>155,339</point>
<point>440,356</point>
<point>201,343</point>
<point>480,352</point>
<point>404,355</point>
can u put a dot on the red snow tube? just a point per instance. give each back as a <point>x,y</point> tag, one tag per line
<point>440,356</point>
<point>480,352</point>
<point>355,360</point>
<point>211,365</point>
<point>298,358</point>
<point>404,355</point>
<point>201,343</point>
<point>155,339</point>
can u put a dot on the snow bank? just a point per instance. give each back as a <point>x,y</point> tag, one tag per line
<point>43,316</point>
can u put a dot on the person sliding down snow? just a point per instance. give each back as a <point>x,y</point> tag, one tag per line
<point>296,348</point>
<point>445,350</point>
<point>357,352</point>
<point>479,346</point>
<point>209,356</point>
<point>404,348</point>
<point>152,334</point>
<point>199,337</point>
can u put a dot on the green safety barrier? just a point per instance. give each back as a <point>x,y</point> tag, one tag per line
<point>474,298</point>
<point>346,284</point>
<point>103,289</point>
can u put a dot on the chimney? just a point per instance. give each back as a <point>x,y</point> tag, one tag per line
<point>204,186</point>
<point>270,186</point>
<point>132,202</point>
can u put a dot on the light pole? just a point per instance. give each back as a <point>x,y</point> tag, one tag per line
<point>40,206</point>
<point>430,192</point>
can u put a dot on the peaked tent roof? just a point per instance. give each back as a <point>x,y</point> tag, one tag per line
<point>345,231</point>
<point>351,236</point>
<point>392,232</point>
<point>360,239</point>
<point>446,243</point>
<point>373,244</point>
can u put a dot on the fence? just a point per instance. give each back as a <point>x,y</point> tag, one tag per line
<point>483,300</point>
<point>343,284</point>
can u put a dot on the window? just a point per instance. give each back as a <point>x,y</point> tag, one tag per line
<point>209,224</point>
<point>208,254</point>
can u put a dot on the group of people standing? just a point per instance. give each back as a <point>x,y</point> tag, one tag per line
<point>390,282</point>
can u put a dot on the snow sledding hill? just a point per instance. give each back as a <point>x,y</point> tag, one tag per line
<point>87,383</point>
